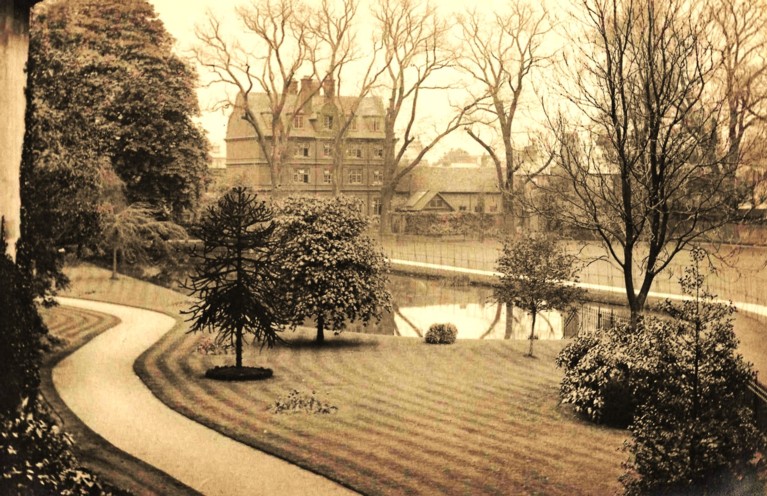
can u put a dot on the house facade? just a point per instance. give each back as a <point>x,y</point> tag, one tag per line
<point>309,167</point>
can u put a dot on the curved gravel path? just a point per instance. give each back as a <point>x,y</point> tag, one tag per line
<point>98,384</point>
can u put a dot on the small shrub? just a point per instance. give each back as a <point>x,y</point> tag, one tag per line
<point>297,402</point>
<point>441,334</point>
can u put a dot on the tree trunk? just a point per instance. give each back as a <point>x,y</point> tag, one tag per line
<point>509,321</point>
<point>532,334</point>
<point>387,195</point>
<point>695,388</point>
<point>507,189</point>
<point>320,329</point>
<point>114,263</point>
<point>238,347</point>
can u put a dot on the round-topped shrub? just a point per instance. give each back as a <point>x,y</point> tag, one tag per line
<point>441,334</point>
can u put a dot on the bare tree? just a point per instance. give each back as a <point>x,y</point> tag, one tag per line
<point>500,53</point>
<point>740,27</point>
<point>336,30</point>
<point>415,51</point>
<point>284,41</point>
<point>638,163</point>
<point>740,38</point>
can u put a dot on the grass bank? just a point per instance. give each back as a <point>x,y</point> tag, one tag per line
<point>471,418</point>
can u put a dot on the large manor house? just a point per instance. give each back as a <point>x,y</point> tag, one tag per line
<point>309,168</point>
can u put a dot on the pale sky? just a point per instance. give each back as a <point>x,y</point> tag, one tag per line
<point>181,16</point>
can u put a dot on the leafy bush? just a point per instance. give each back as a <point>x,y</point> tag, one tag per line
<point>695,432</point>
<point>600,378</point>
<point>441,334</point>
<point>36,457</point>
<point>448,224</point>
<point>682,386</point>
<point>297,402</point>
<point>21,329</point>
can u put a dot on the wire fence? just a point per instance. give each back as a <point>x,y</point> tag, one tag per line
<point>745,284</point>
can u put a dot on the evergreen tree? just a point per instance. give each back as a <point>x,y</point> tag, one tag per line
<point>234,277</point>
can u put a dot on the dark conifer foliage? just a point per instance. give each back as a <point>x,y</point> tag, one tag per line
<point>234,277</point>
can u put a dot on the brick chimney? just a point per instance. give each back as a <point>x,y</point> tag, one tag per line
<point>308,86</point>
<point>329,87</point>
<point>292,87</point>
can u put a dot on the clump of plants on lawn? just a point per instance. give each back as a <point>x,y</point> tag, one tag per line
<point>236,280</point>
<point>209,346</point>
<point>299,402</point>
<point>441,334</point>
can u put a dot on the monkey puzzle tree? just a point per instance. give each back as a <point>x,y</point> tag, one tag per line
<point>235,277</point>
<point>536,275</point>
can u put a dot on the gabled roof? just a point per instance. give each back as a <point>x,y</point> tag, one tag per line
<point>318,106</point>
<point>450,180</point>
<point>420,199</point>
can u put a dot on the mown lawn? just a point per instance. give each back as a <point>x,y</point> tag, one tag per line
<point>472,418</point>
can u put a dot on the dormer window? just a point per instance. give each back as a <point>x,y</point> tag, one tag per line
<point>327,122</point>
<point>298,121</point>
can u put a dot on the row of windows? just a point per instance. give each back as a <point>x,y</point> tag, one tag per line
<point>353,176</point>
<point>328,121</point>
<point>303,150</point>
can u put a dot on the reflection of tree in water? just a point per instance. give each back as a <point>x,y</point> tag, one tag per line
<point>415,293</point>
<point>406,320</point>
<point>496,319</point>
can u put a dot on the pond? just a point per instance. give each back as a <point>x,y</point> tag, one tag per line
<point>420,302</point>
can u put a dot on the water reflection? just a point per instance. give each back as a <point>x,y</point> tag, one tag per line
<point>478,321</point>
<point>420,302</point>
